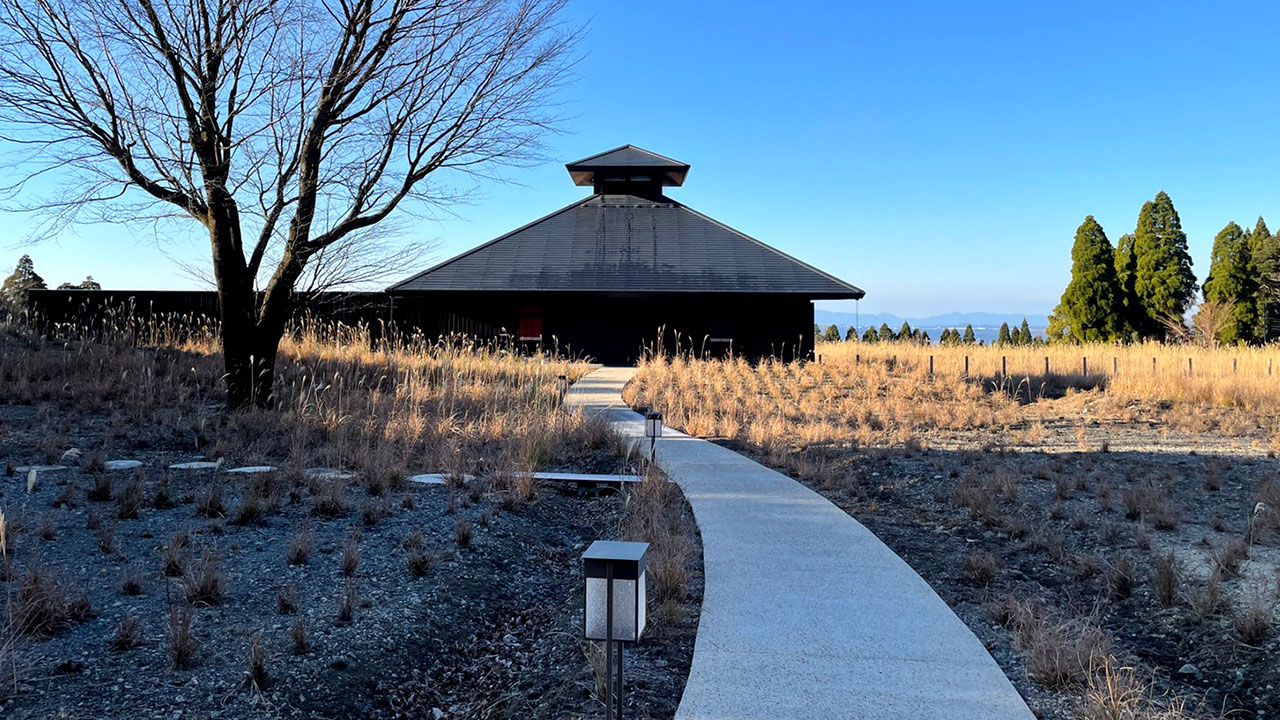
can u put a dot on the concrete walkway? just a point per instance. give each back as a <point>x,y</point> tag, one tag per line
<point>806,614</point>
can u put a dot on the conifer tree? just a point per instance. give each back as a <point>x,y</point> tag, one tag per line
<point>832,334</point>
<point>1164,283</point>
<point>969,337</point>
<point>851,334</point>
<point>870,336</point>
<point>13,294</point>
<point>1233,282</point>
<point>1003,338</point>
<point>1092,305</point>
<point>1264,250</point>
<point>886,335</point>
<point>1126,276</point>
<point>1025,332</point>
<point>904,332</point>
<point>924,338</point>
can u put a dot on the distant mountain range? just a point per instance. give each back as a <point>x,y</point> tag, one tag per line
<point>986,326</point>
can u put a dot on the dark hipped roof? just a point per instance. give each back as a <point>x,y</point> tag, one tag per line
<point>629,244</point>
<point>628,159</point>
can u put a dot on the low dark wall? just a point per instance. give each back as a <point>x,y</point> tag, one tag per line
<point>102,309</point>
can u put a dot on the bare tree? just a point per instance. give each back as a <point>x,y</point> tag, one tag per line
<point>289,129</point>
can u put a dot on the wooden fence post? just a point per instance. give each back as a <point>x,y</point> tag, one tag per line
<point>1046,366</point>
<point>966,367</point>
<point>1115,365</point>
<point>1153,366</point>
<point>1004,367</point>
<point>1084,365</point>
<point>1190,369</point>
<point>930,366</point>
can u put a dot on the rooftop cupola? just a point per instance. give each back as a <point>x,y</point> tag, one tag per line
<point>628,170</point>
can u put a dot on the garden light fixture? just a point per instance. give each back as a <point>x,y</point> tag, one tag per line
<point>614,606</point>
<point>653,431</point>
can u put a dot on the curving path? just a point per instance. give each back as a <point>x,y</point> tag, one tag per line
<point>805,613</point>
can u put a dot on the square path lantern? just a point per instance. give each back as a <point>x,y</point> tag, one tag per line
<point>615,605</point>
<point>653,430</point>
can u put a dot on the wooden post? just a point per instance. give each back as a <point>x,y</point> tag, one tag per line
<point>1004,368</point>
<point>1233,366</point>
<point>1190,370</point>
<point>1084,365</point>
<point>930,366</point>
<point>1046,366</point>
<point>1153,366</point>
<point>966,367</point>
<point>857,359</point>
<point>1115,365</point>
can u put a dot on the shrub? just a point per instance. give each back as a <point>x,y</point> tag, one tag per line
<point>202,581</point>
<point>210,504</point>
<point>287,600</point>
<point>981,566</point>
<point>347,601</point>
<point>129,501</point>
<point>301,643</point>
<point>182,644</point>
<point>126,633</point>
<point>300,547</point>
<point>257,659</point>
<point>350,558</point>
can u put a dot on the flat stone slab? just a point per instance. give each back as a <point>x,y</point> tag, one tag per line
<point>328,474</point>
<point>195,465</point>
<point>252,470</point>
<point>805,613</point>
<point>24,469</point>
<point>437,478</point>
<point>115,465</point>
<point>586,478</point>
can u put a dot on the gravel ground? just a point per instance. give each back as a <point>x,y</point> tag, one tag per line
<point>1061,535</point>
<point>491,630</point>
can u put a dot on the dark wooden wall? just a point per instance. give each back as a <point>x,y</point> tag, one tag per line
<point>609,328</point>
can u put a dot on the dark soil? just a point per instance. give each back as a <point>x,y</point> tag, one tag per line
<point>491,630</point>
<point>1058,537</point>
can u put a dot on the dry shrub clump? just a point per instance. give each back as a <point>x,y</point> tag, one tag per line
<point>655,514</point>
<point>1060,652</point>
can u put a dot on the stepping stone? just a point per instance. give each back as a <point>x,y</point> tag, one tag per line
<point>24,469</point>
<point>586,478</point>
<point>437,478</point>
<point>194,465</point>
<point>114,465</point>
<point>252,470</point>
<point>328,474</point>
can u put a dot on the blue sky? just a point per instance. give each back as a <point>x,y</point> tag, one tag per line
<point>940,155</point>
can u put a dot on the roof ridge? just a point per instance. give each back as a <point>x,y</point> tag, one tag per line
<point>589,158</point>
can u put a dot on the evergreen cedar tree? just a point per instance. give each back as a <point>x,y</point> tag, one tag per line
<point>1265,251</point>
<point>13,294</point>
<point>1003,338</point>
<point>851,334</point>
<point>1025,330</point>
<point>1164,283</point>
<point>1092,307</point>
<point>885,333</point>
<point>1127,275</point>
<point>832,334</point>
<point>870,336</point>
<point>1233,281</point>
<point>969,337</point>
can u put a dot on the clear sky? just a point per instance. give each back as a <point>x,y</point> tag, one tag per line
<point>937,154</point>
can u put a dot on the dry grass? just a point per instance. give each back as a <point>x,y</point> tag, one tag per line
<point>182,644</point>
<point>882,395</point>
